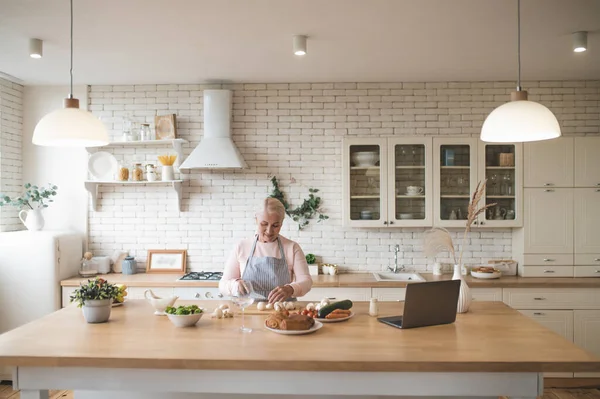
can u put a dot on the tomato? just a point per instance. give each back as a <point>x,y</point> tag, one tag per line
<point>305,312</point>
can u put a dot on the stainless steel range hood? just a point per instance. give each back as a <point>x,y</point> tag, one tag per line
<point>216,150</point>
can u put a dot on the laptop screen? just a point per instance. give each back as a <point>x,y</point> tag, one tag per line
<point>430,303</point>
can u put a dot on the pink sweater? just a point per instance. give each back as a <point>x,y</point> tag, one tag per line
<point>296,261</point>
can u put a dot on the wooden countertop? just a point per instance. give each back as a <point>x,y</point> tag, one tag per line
<point>490,338</point>
<point>350,280</point>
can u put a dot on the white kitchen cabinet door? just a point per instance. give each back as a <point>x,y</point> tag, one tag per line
<point>549,163</point>
<point>337,294</point>
<point>548,223</point>
<point>587,162</point>
<point>587,220</point>
<point>66,295</point>
<point>486,294</point>
<point>587,334</point>
<point>559,321</point>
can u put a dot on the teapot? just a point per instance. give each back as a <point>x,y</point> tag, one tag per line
<point>158,303</point>
<point>499,213</point>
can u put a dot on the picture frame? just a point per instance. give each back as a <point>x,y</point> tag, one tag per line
<point>166,261</point>
<point>165,127</point>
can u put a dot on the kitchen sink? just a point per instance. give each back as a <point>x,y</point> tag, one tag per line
<point>408,277</point>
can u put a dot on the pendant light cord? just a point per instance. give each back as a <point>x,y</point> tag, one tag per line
<point>518,43</point>
<point>71,70</point>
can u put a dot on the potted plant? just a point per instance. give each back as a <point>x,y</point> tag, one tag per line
<point>95,298</point>
<point>34,199</point>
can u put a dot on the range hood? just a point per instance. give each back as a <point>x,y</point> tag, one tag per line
<point>216,150</point>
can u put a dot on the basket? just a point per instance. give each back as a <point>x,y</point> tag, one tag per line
<point>507,159</point>
<point>508,267</point>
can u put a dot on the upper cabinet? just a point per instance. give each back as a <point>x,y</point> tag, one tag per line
<point>587,162</point>
<point>387,182</point>
<point>549,163</point>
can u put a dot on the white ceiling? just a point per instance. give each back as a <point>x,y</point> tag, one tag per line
<point>197,41</point>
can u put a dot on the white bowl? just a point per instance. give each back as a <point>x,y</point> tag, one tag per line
<point>406,216</point>
<point>187,320</point>
<point>365,158</point>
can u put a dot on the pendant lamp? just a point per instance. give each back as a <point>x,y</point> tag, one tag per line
<point>520,120</point>
<point>70,126</point>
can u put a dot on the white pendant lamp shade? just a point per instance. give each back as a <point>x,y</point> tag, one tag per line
<point>579,42</point>
<point>520,121</point>
<point>300,45</point>
<point>70,127</point>
<point>36,48</point>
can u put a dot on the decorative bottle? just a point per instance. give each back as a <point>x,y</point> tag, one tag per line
<point>373,307</point>
<point>464,296</point>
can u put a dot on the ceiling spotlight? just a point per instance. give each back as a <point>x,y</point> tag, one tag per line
<point>579,41</point>
<point>36,48</point>
<point>300,45</point>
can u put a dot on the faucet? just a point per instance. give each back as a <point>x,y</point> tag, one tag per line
<point>395,269</point>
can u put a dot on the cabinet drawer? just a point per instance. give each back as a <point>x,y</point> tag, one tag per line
<point>548,259</point>
<point>486,294</point>
<point>587,271</point>
<point>557,298</point>
<point>337,294</point>
<point>587,259</point>
<point>547,271</point>
<point>559,321</point>
<point>389,294</point>
<point>199,293</point>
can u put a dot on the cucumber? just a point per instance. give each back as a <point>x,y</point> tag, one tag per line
<point>325,310</point>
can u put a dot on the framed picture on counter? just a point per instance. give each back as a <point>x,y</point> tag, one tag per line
<point>166,261</point>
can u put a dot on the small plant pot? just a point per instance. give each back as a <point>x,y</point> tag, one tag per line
<point>97,310</point>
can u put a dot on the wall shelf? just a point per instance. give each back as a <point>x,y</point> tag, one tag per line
<point>410,167</point>
<point>177,145</point>
<point>364,197</point>
<point>92,187</point>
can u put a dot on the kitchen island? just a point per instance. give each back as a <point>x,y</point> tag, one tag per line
<point>490,351</point>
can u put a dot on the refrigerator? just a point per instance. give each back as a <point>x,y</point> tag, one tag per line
<point>32,264</point>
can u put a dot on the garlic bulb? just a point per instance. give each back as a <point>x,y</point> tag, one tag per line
<point>261,306</point>
<point>269,306</point>
<point>325,302</point>
<point>310,306</point>
<point>278,307</point>
<point>218,313</point>
<point>290,305</point>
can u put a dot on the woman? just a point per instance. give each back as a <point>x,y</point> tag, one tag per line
<point>275,265</point>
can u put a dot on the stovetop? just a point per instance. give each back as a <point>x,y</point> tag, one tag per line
<point>214,276</point>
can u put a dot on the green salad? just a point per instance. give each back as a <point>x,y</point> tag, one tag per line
<point>183,310</point>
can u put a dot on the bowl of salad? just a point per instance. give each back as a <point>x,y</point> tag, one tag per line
<point>184,316</point>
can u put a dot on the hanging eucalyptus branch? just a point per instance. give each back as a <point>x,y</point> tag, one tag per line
<point>309,208</point>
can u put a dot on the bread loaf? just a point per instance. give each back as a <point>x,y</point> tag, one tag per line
<point>294,322</point>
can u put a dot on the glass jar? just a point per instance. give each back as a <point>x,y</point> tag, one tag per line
<point>88,268</point>
<point>123,173</point>
<point>150,172</point>
<point>145,133</point>
<point>129,265</point>
<point>137,173</point>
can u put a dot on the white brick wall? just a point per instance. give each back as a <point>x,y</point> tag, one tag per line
<point>11,132</point>
<point>295,131</point>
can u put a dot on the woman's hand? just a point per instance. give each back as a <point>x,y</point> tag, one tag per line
<point>281,293</point>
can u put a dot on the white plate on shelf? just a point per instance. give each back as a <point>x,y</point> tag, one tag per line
<point>314,328</point>
<point>488,276</point>
<point>336,320</point>
<point>103,166</point>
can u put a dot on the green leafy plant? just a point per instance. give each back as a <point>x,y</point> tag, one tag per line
<point>183,310</point>
<point>97,288</point>
<point>310,259</point>
<point>309,208</point>
<point>34,197</point>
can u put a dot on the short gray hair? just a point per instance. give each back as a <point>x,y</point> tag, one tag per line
<point>271,205</point>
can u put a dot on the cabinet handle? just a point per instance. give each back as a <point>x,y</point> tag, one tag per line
<point>539,299</point>
<point>549,260</point>
<point>539,314</point>
<point>549,190</point>
<point>482,223</point>
<point>385,222</point>
<point>598,190</point>
<point>596,271</point>
<point>391,222</point>
<point>475,222</point>
<point>548,184</point>
<point>548,271</point>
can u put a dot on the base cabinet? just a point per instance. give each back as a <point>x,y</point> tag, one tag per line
<point>587,334</point>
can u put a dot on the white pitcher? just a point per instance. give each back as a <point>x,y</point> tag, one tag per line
<point>34,220</point>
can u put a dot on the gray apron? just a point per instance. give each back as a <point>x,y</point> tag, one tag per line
<point>266,273</point>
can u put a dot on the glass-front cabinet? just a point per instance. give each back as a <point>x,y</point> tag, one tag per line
<point>387,182</point>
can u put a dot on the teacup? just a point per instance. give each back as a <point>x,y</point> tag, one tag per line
<point>414,190</point>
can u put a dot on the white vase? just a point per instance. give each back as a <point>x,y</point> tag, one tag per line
<point>34,220</point>
<point>167,173</point>
<point>464,296</point>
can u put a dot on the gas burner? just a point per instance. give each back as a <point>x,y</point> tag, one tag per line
<point>202,276</point>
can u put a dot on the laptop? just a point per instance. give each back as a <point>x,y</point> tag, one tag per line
<point>427,304</point>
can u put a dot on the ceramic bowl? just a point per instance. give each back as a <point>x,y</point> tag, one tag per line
<point>405,216</point>
<point>365,158</point>
<point>185,320</point>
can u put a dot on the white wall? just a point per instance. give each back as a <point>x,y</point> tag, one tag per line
<point>64,167</point>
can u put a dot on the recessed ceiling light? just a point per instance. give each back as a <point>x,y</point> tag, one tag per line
<point>300,45</point>
<point>36,48</point>
<point>579,41</point>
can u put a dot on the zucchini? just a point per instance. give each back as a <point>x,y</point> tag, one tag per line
<point>325,310</point>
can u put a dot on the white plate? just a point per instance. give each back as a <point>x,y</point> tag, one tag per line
<point>487,276</point>
<point>314,328</point>
<point>115,304</point>
<point>103,166</point>
<point>336,320</point>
